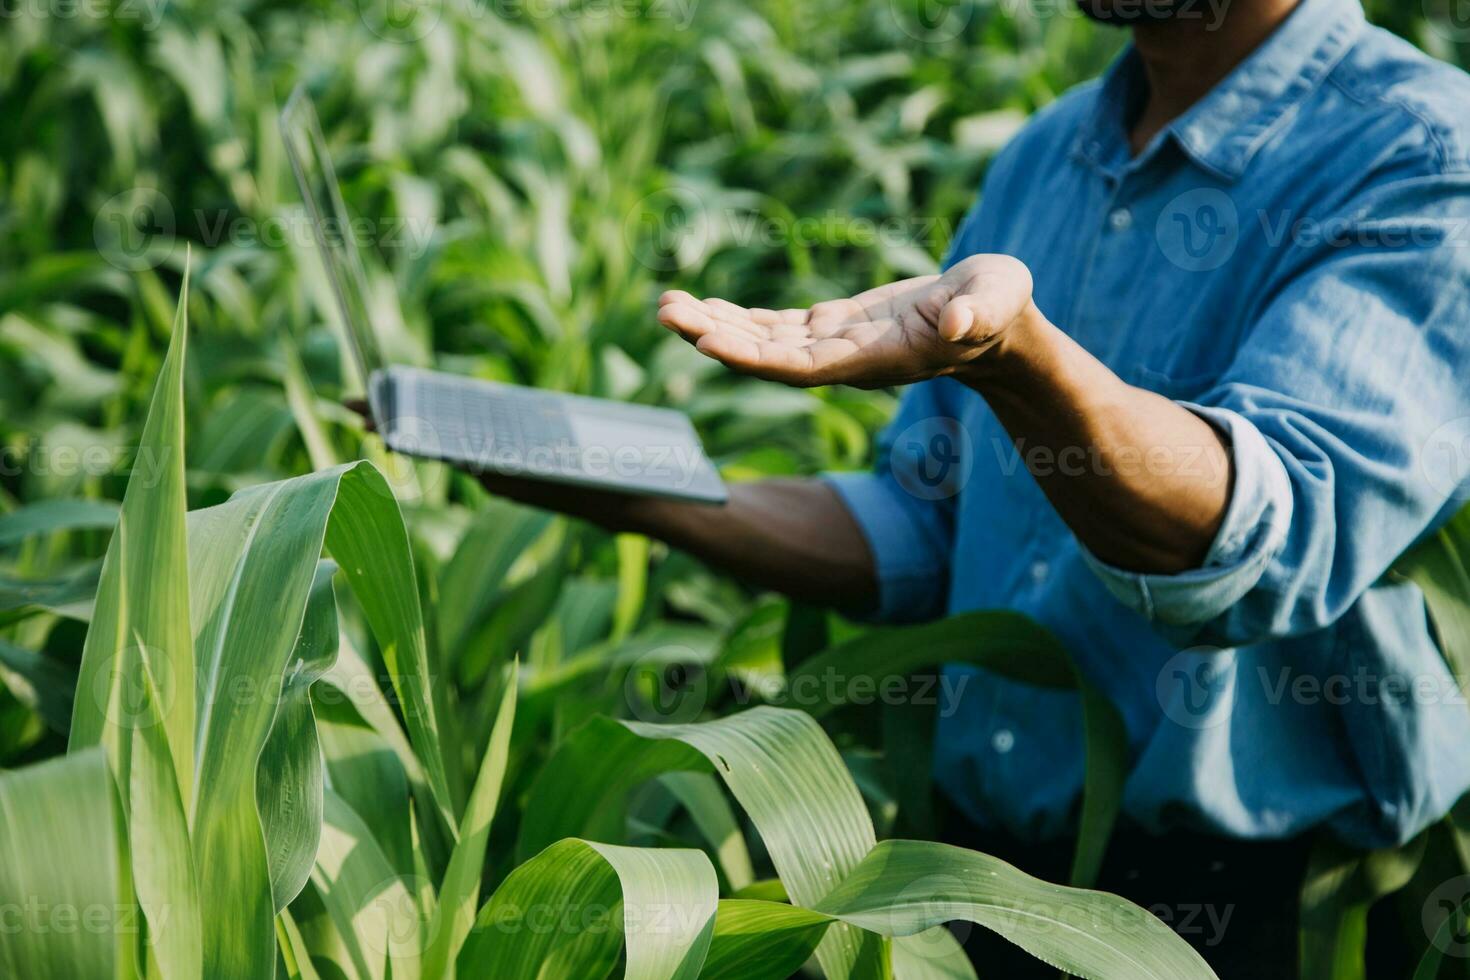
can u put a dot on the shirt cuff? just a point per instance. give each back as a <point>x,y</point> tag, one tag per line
<point>909,559</point>
<point>1251,535</point>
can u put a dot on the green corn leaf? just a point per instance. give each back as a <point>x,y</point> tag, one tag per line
<point>288,790</point>
<point>294,952</point>
<point>1440,566</point>
<point>375,909</point>
<point>1341,885</point>
<point>253,561</point>
<point>143,597</point>
<point>633,550</point>
<point>779,765</point>
<point>351,682</point>
<point>934,954</point>
<point>583,789</point>
<point>1014,646</point>
<point>136,680</point>
<point>472,586</point>
<point>700,794</point>
<point>367,773</point>
<point>158,833</point>
<point>903,888</point>
<point>59,856</point>
<point>368,538</point>
<point>788,777</point>
<point>563,915</point>
<point>458,895</point>
<point>762,939</point>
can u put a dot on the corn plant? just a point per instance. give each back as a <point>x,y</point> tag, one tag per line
<point>203,820</point>
<point>532,161</point>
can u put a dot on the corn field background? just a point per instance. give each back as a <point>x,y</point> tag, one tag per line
<point>300,708</point>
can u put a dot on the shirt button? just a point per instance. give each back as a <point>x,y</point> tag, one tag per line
<point>1039,571</point>
<point>1003,741</point>
<point>1121,219</point>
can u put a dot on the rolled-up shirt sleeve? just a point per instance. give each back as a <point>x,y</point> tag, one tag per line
<point>1347,414</point>
<point>909,534</point>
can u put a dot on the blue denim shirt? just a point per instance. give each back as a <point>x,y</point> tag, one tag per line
<point>1291,260</point>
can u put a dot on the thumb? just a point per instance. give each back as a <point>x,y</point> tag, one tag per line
<point>966,320</point>
<point>992,291</point>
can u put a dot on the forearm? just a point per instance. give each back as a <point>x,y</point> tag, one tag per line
<point>1142,482</point>
<point>793,536</point>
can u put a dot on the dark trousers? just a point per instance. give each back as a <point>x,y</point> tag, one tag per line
<point>1234,901</point>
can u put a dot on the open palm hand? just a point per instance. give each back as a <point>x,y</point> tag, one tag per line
<point>895,334</point>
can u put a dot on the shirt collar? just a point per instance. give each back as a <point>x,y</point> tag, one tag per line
<point>1223,130</point>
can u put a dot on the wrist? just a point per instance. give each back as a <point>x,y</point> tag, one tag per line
<point>1016,357</point>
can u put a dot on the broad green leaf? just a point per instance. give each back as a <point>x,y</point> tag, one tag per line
<point>583,789</point>
<point>563,915</point>
<point>351,682</point>
<point>367,537</point>
<point>288,790</point>
<point>473,584</point>
<point>253,560</point>
<point>376,913</point>
<point>59,857</point>
<point>368,775</point>
<point>294,952</point>
<point>158,836</point>
<point>458,895</point>
<point>790,780</point>
<point>700,794</point>
<point>1340,886</point>
<point>906,887</point>
<point>633,550</point>
<point>1012,645</point>
<point>934,954</point>
<point>762,939</point>
<point>1440,566</point>
<point>143,596</point>
<point>779,765</point>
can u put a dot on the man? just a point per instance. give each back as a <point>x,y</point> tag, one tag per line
<point>1180,389</point>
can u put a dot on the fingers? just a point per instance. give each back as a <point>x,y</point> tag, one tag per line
<point>803,365</point>
<point>796,347</point>
<point>693,318</point>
